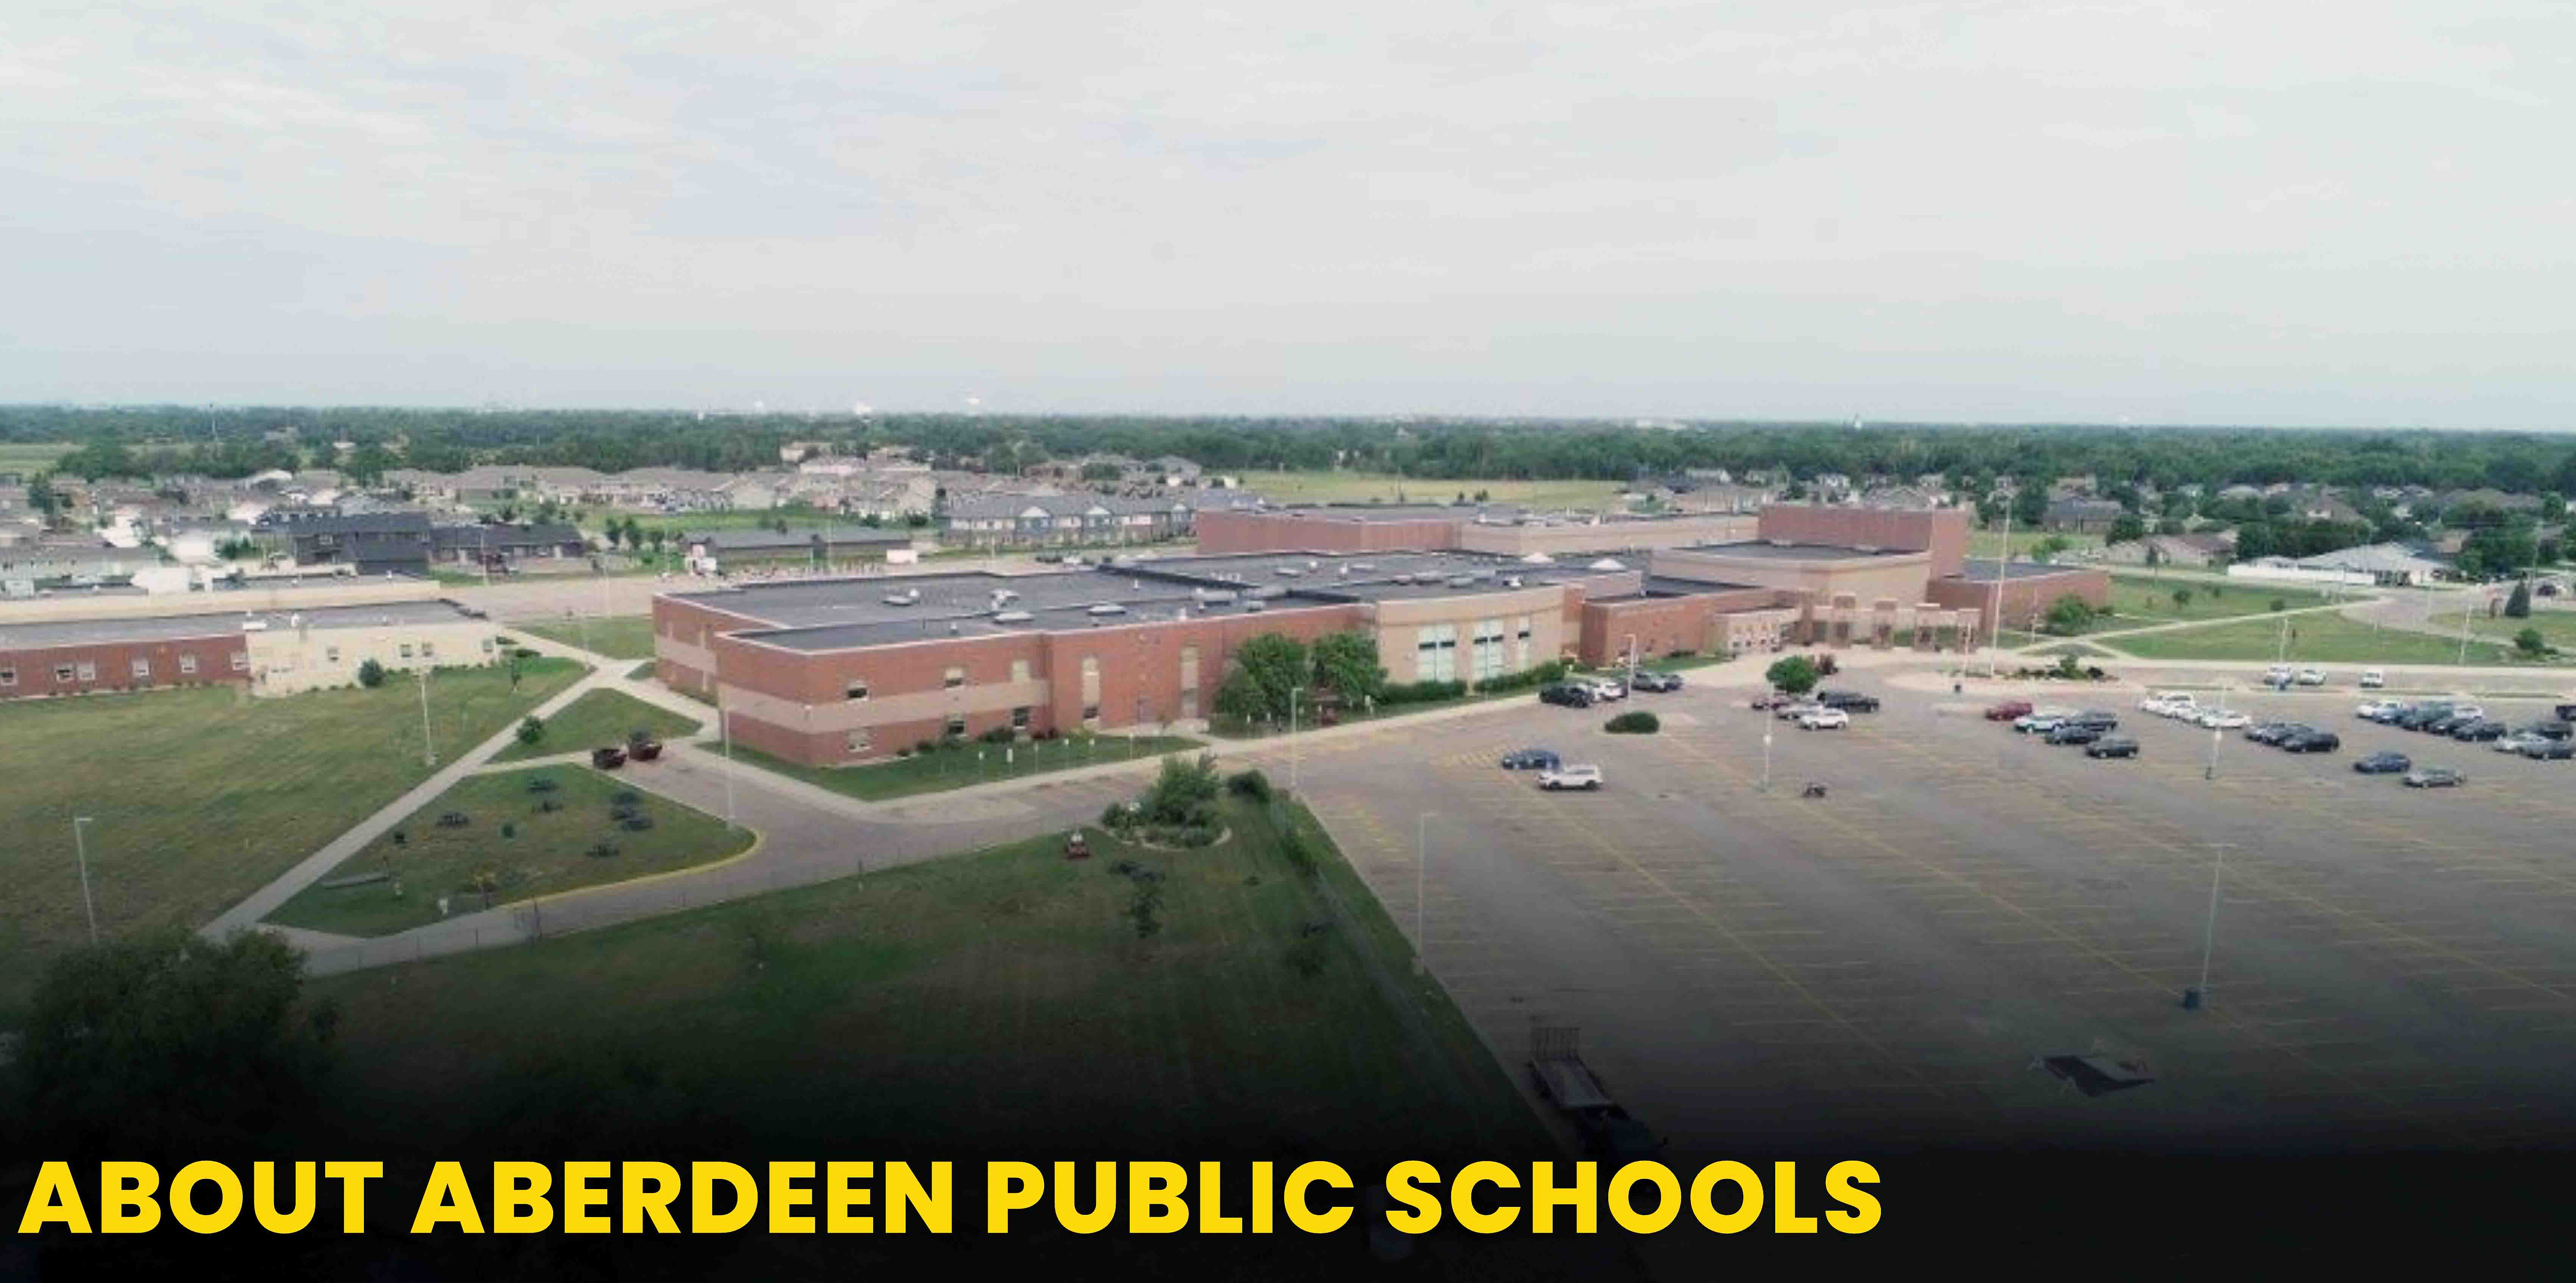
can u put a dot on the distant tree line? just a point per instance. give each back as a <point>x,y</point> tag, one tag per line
<point>240,441</point>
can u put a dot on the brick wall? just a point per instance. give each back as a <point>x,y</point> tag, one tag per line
<point>2022,596</point>
<point>1257,532</point>
<point>111,665</point>
<point>1941,531</point>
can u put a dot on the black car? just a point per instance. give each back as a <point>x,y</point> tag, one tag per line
<point>2446,723</point>
<point>1566,693</point>
<point>1531,759</point>
<point>2095,718</point>
<point>1848,701</point>
<point>2276,732</point>
<point>2479,731</point>
<point>2112,746</point>
<point>2420,716</point>
<point>2312,742</point>
<point>2074,732</point>
<point>608,759</point>
<point>1647,680</point>
<point>2382,764</point>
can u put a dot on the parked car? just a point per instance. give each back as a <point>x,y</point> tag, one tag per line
<point>1792,712</point>
<point>609,758</point>
<point>1769,700</point>
<point>2478,730</point>
<point>1654,681</point>
<point>2418,716</point>
<point>2040,721</point>
<point>2273,732</point>
<point>2447,723</point>
<point>2007,710</point>
<point>2112,746</point>
<point>1606,688</point>
<point>1531,759</point>
<point>1825,719</point>
<point>2222,719</point>
<point>2382,763</point>
<point>1566,693</point>
<point>1570,777</point>
<point>2550,750</point>
<point>1848,701</point>
<point>2098,719</point>
<point>2312,742</point>
<point>2311,677</point>
<point>2434,777</point>
<point>2277,675</point>
<point>2515,741</point>
<point>2074,732</point>
<point>2168,704</point>
<point>2554,729</point>
<point>2373,679</point>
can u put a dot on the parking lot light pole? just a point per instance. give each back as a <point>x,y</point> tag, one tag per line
<point>428,754</point>
<point>2192,998</point>
<point>1766,750</point>
<point>80,852</point>
<point>1632,661</point>
<point>1421,854</point>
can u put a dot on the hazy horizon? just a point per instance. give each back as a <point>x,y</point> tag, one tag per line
<point>2254,215</point>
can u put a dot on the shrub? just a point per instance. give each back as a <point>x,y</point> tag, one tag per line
<point>549,805</point>
<point>1536,675</point>
<point>1636,722</point>
<point>1251,784</point>
<point>2280,603</point>
<point>371,674</point>
<point>1420,692</point>
<point>543,784</point>
<point>636,823</point>
<point>531,730</point>
<point>1182,791</point>
<point>454,820</point>
<point>509,830</point>
<point>2530,642</point>
<point>601,850</point>
<point>926,747</point>
<point>625,797</point>
<point>998,735</point>
<point>1117,816</point>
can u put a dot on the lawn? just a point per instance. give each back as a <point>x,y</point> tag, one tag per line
<point>2557,627</point>
<point>1001,1000</point>
<point>199,797</point>
<point>1989,543</point>
<point>615,636</point>
<point>547,851</point>
<point>2141,601</point>
<point>2322,638</point>
<point>1361,487</point>
<point>602,717</point>
<point>971,763</point>
<point>31,456</point>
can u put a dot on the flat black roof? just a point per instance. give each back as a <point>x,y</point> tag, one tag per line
<point>1766,550</point>
<point>1987,568</point>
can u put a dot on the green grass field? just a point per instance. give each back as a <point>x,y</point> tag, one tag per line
<point>2557,627</point>
<point>199,797</point>
<point>601,717</point>
<point>960,767</point>
<point>640,672</point>
<point>962,1004</point>
<point>547,851</point>
<point>30,456</point>
<point>2142,602</point>
<point>1361,487</point>
<point>615,636</point>
<point>1990,543</point>
<point>2321,638</point>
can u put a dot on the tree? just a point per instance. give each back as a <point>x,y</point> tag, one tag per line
<point>1239,698</point>
<point>634,534</point>
<point>2126,527</point>
<point>1277,664</point>
<point>1100,472</point>
<point>1182,790</point>
<point>531,730</point>
<point>2181,598</point>
<point>1795,674</point>
<point>172,1042</point>
<point>2068,614</point>
<point>2518,606</point>
<point>1346,663</point>
<point>371,674</point>
<point>2530,642</point>
<point>610,534</point>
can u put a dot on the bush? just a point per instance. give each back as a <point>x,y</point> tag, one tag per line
<point>543,784</point>
<point>601,850</point>
<point>1796,674</point>
<point>2530,642</point>
<point>1117,816</point>
<point>926,747</point>
<point>1251,784</point>
<point>371,674</point>
<point>509,830</point>
<point>636,823</point>
<point>549,805</point>
<point>2280,603</point>
<point>1534,676</point>
<point>531,730</point>
<point>454,820</point>
<point>1420,692</point>
<point>998,735</point>
<point>1637,722</point>
<point>1181,793</point>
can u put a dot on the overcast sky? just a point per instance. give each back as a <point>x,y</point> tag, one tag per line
<point>2248,212</point>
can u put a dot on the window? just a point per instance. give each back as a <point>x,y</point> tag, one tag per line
<point>956,723</point>
<point>406,650</point>
<point>1488,657</point>
<point>859,741</point>
<point>89,672</point>
<point>1522,635</point>
<point>487,645</point>
<point>953,678</point>
<point>143,668</point>
<point>241,661</point>
<point>331,654</point>
<point>8,677</point>
<point>1020,718</point>
<point>62,672</point>
<point>857,689</point>
<point>428,650</point>
<point>1091,714</point>
<point>1019,670</point>
<point>1435,654</point>
<point>187,663</point>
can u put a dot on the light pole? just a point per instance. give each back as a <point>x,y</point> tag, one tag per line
<point>1293,692</point>
<point>2193,997</point>
<point>1994,621</point>
<point>1766,750</point>
<point>80,852</point>
<point>428,755</point>
<point>1421,856</point>
<point>2467,600</point>
<point>1632,661</point>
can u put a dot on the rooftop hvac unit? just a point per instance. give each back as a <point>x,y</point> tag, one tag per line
<point>1289,572</point>
<point>1513,582</point>
<point>254,625</point>
<point>1461,581</point>
<point>1362,566</point>
<point>1312,564</point>
<point>905,598</point>
<point>1403,577</point>
<point>1109,608</point>
<point>1013,617</point>
<point>1253,607</point>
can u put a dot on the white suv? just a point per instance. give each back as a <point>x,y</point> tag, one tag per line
<point>1825,719</point>
<point>1571,777</point>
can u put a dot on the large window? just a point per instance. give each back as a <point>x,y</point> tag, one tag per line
<point>954,677</point>
<point>1521,634</point>
<point>143,668</point>
<point>857,689</point>
<point>187,663</point>
<point>956,723</point>
<point>1489,649</point>
<point>1020,718</point>
<point>1435,654</point>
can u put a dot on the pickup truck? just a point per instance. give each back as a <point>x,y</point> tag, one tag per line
<point>1570,777</point>
<point>1564,1081</point>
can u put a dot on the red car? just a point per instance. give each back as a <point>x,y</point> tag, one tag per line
<point>2008,710</point>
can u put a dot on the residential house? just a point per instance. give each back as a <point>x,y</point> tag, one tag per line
<point>1024,520</point>
<point>725,551</point>
<point>77,564</point>
<point>2082,516</point>
<point>373,543</point>
<point>497,545</point>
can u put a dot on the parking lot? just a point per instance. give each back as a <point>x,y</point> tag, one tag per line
<point>1882,967</point>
